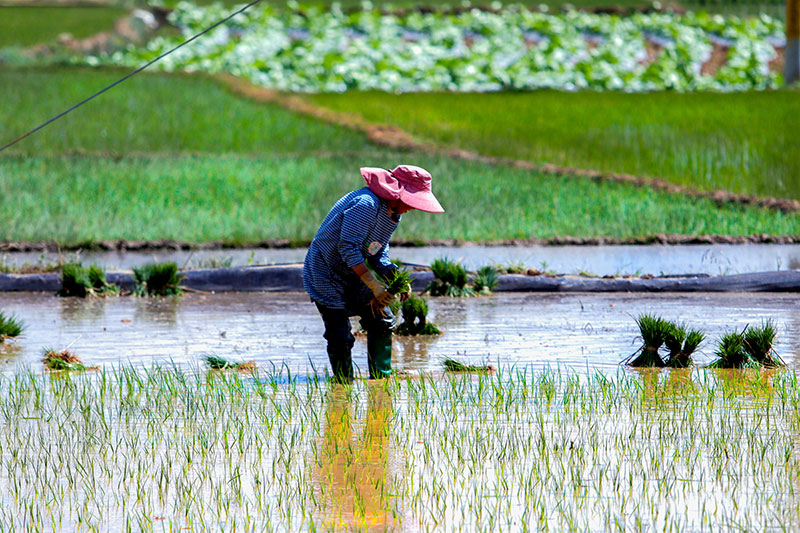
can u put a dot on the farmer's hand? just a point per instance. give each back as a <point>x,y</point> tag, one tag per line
<point>381,295</point>
<point>378,310</point>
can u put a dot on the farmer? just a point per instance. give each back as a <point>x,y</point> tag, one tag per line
<point>354,234</point>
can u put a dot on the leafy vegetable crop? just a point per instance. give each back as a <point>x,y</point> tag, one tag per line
<point>512,49</point>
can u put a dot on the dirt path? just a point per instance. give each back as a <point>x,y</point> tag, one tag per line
<point>393,137</point>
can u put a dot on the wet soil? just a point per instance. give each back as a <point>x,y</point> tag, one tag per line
<point>584,332</point>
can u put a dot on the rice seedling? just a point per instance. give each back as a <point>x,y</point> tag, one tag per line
<point>129,448</point>
<point>10,327</point>
<point>731,352</point>
<point>63,360</point>
<point>77,280</point>
<point>216,362</point>
<point>398,282</point>
<point>758,343</point>
<point>415,318</point>
<point>160,279</point>
<point>486,279</point>
<point>451,279</point>
<point>453,365</point>
<point>681,345</point>
<point>653,330</point>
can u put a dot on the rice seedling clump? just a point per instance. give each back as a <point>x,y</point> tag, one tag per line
<point>653,331</point>
<point>64,360</point>
<point>398,282</point>
<point>752,348</point>
<point>731,353</point>
<point>454,365</point>
<point>77,280</point>
<point>10,327</point>
<point>681,345</point>
<point>160,279</point>
<point>451,279</point>
<point>758,343</point>
<point>486,279</point>
<point>415,318</point>
<point>216,362</point>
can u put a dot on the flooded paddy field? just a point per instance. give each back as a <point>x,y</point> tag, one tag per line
<point>580,331</point>
<point>559,438</point>
<point>607,260</point>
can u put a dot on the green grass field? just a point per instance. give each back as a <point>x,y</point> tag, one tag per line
<point>26,26</point>
<point>742,142</point>
<point>244,200</point>
<point>180,157</point>
<point>153,113</point>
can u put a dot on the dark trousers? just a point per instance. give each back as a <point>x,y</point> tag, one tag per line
<point>340,340</point>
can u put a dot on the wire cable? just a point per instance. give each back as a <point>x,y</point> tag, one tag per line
<point>138,70</point>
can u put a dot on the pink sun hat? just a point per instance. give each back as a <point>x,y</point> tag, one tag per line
<point>407,183</point>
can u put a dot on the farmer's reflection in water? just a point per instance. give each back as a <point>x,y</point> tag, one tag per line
<point>351,463</point>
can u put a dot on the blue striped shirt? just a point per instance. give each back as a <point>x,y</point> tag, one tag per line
<point>356,230</point>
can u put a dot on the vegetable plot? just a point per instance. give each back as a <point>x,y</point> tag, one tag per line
<point>513,49</point>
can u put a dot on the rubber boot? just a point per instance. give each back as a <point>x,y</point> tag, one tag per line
<point>342,365</point>
<point>379,355</point>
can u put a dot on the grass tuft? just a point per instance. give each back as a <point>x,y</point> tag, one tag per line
<point>10,326</point>
<point>158,280</point>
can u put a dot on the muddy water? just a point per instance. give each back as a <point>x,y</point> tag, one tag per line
<point>581,331</point>
<point>601,260</point>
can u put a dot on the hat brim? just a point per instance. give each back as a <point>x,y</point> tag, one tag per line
<point>422,200</point>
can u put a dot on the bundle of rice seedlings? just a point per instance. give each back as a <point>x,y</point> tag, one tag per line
<point>731,353</point>
<point>64,360</point>
<point>486,279</point>
<point>758,343</point>
<point>653,330</point>
<point>76,280</point>
<point>451,279</point>
<point>398,282</point>
<point>97,277</point>
<point>160,279</point>
<point>681,345</point>
<point>216,362</point>
<point>453,365</point>
<point>10,327</point>
<point>415,321</point>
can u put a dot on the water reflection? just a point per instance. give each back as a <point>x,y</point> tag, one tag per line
<point>157,311</point>
<point>411,353</point>
<point>350,473</point>
<point>82,311</point>
<point>9,353</point>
